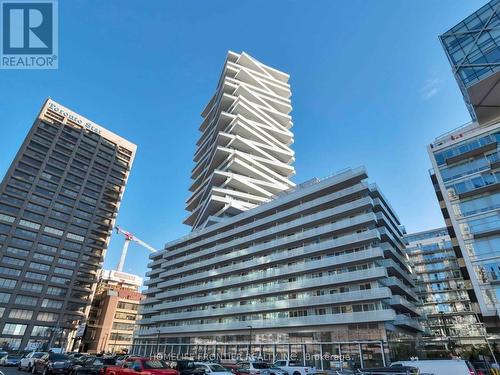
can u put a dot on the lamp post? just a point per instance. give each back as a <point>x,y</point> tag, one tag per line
<point>485,337</point>
<point>250,346</point>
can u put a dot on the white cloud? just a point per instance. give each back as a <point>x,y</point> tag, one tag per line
<point>431,87</point>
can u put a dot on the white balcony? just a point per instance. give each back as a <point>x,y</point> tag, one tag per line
<point>275,324</point>
<point>329,299</point>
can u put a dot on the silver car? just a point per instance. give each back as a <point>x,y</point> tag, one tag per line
<point>275,370</point>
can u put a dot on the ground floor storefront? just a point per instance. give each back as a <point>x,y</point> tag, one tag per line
<point>322,355</point>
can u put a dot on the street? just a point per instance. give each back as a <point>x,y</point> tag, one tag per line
<point>11,371</point>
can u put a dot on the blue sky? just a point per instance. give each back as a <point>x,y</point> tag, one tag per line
<point>371,86</point>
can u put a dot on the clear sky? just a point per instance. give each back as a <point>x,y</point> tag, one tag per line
<point>371,86</point>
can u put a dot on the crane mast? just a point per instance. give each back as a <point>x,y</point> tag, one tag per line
<point>129,237</point>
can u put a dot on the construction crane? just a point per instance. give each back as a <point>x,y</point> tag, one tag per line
<point>129,237</point>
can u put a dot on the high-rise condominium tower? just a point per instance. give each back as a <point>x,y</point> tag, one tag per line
<point>58,204</point>
<point>466,161</point>
<point>243,155</point>
<point>450,319</point>
<point>472,47</point>
<point>322,265</point>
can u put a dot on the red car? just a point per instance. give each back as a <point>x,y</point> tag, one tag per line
<point>134,365</point>
<point>236,369</point>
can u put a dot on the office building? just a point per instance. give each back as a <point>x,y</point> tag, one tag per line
<point>58,204</point>
<point>113,315</point>
<point>243,155</point>
<point>450,321</point>
<point>473,49</point>
<point>465,161</point>
<point>320,269</point>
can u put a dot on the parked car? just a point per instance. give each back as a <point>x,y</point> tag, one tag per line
<point>186,367</point>
<point>275,370</point>
<point>295,367</point>
<point>235,369</point>
<point>10,360</point>
<point>29,359</point>
<point>397,370</point>
<point>212,368</point>
<point>255,368</point>
<point>121,359</point>
<point>148,366</point>
<point>482,367</point>
<point>52,363</point>
<point>92,366</point>
<point>440,366</point>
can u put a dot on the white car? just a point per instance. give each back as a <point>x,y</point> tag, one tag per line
<point>29,359</point>
<point>295,368</point>
<point>212,368</point>
<point>255,368</point>
<point>440,366</point>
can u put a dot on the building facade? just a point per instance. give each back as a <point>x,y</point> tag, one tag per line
<point>449,318</point>
<point>465,160</point>
<point>466,177</point>
<point>58,204</point>
<point>319,269</point>
<point>243,155</point>
<point>112,320</point>
<point>473,49</point>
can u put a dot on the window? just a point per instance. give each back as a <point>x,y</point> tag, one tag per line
<point>60,280</point>
<point>14,329</point>
<point>39,266</point>
<point>4,297</point>
<point>127,306</point>
<point>9,271</point>
<point>66,262</point>
<point>49,249</point>
<point>26,300</point>
<point>32,215</point>
<point>13,261</point>
<point>50,303</point>
<point>25,233</point>
<point>52,230</point>
<point>32,287</point>
<point>16,251</point>
<point>68,253</point>
<point>20,314</point>
<point>4,228</point>
<point>36,276</point>
<point>75,237</point>
<point>7,218</point>
<point>55,291</point>
<point>21,242</point>
<point>47,258</point>
<point>50,240</point>
<point>7,283</point>
<point>47,317</point>
<point>63,271</point>
<point>29,224</point>
<point>41,200</point>
<point>40,331</point>
<point>36,207</point>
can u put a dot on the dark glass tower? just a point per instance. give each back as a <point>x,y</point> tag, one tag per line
<point>58,203</point>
